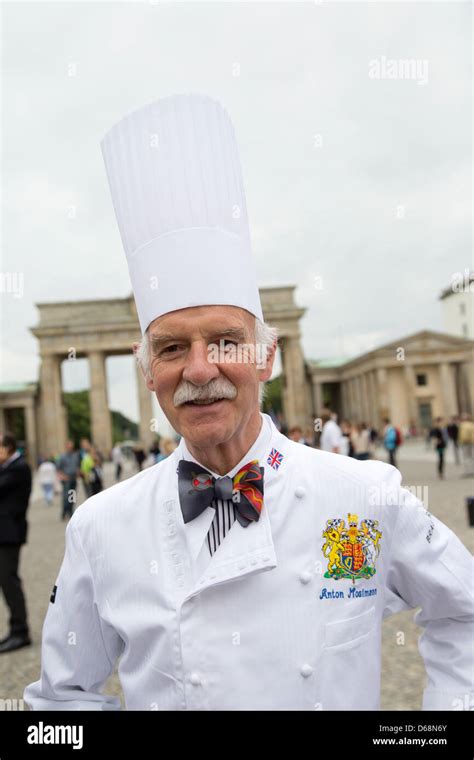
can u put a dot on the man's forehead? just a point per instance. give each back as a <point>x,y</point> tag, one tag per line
<point>203,318</point>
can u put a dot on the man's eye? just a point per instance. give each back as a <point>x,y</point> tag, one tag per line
<point>170,349</point>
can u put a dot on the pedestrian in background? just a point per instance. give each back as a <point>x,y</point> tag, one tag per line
<point>47,478</point>
<point>295,433</point>
<point>140,456</point>
<point>331,436</point>
<point>466,441</point>
<point>360,439</point>
<point>346,447</point>
<point>390,441</point>
<point>154,450</point>
<point>15,490</point>
<point>86,465</point>
<point>453,435</point>
<point>96,474</point>
<point>167,446</point>
<point>439,435</point>
<point>117,459</point>
<point>68,472</point>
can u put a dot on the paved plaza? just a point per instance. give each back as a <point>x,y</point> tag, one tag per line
<point>403,672</point>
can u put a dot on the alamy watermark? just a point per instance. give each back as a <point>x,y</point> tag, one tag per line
<point>12,282</point>
<point>415,69</point>
<point>241,353</point>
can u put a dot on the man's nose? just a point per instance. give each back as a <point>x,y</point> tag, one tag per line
<point>198,369</point>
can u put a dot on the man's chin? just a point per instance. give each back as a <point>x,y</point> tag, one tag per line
<point>205,424</point>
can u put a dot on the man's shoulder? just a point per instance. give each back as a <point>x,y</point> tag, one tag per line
<point>331,466</point>
<point>18,464</point>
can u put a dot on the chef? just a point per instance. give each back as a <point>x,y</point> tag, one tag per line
<point>244,571</point>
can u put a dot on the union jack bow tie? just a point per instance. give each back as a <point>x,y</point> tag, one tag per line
<point>198,489</point>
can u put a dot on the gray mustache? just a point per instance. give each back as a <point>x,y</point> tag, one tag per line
<point>214,390</point>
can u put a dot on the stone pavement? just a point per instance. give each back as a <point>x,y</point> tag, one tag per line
<point>402,667</point>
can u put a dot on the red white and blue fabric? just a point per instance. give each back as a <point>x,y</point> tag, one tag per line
<point>275,459</point>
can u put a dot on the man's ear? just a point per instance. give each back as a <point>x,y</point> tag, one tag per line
<point>148,381</point>
<point>266,373</point>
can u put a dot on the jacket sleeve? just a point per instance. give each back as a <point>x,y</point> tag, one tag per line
<point>431,569</point>
<point>79,649</point>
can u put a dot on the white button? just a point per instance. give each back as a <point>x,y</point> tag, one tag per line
<point>300,492</point>
<point>305,577</point>
<point>195,679</point>
<point>306,671</point>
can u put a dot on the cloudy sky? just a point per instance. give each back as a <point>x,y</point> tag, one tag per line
<point>357,168</point>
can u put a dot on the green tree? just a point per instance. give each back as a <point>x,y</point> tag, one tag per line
<point>272,398</point>
<point>79,420</point>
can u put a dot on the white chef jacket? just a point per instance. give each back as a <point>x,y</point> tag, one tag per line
<point>257,626</point>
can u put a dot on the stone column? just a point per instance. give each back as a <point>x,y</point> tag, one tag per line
<point>374,416</point>
<point>448,390</point>
<point>466,387</point>
<point>350,399</point>
<point>284,380</point>
<point>355,400</point>
<point>344,399</point>
<point>298,409</point>
<point>410,388</point>
<point>317,397</point>
<point>30,435</point>
<point>382,393</point>
<point>360,413</point>
<point>364,383</point>
<point>51,411</point>
<point>101,424</point>
<point>145,410</point>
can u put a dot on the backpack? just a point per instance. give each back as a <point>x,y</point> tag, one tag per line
<point>398,438</point>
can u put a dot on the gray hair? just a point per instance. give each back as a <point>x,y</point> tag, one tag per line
<point>265,335</point>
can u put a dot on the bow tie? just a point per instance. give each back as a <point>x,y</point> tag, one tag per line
<point>198,488</point>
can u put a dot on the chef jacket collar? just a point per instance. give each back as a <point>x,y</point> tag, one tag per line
<point>256,538</point>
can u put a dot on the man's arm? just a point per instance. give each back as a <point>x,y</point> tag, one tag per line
<point>430,568</point>
<point>79,649</point>
<point>336,439</point>
<point>59,469</point>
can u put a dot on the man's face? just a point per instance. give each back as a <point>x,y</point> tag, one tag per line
<point>296,435</point>
<point>5,452</point>
<point>182,369</point>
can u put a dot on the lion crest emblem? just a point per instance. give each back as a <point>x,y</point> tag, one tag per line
<point>351,552</point>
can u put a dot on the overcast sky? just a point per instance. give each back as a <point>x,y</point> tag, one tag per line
<point>358,186</point>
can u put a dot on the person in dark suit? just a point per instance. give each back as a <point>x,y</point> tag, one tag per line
<point>15,489</point>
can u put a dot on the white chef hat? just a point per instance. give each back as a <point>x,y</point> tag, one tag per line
<point>176,183</point>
